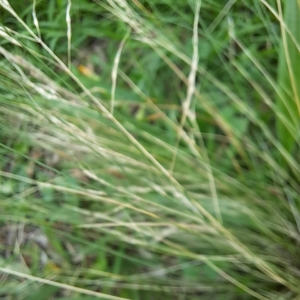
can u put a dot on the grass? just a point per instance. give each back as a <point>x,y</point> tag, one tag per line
<point>149,150</point>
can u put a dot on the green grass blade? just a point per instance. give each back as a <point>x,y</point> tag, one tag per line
<point>289,72</point>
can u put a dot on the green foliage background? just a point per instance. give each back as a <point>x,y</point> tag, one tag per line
<point>180,183</point>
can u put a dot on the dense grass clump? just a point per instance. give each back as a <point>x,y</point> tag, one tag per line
<point>149,149</point>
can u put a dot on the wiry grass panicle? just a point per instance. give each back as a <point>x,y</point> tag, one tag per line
<point>160,166</point>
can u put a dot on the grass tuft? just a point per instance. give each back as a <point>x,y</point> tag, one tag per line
<point>149,150</point>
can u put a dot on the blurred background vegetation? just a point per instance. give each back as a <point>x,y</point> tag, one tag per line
<point>149,149</point>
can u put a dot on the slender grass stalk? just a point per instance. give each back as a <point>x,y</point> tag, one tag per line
<point>69,31</point>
